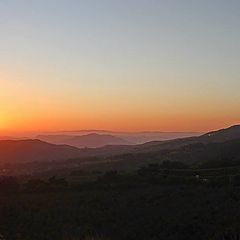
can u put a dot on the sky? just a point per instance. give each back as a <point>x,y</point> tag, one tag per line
<point>129,65</point>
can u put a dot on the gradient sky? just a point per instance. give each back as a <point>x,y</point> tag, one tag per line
<point>130,65</point>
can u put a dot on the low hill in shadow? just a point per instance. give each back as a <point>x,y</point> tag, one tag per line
<point>34,150</point>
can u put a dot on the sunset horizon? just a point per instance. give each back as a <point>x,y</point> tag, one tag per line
<point>123,66</point>
<point>34,131</point>
<point>120,120</point>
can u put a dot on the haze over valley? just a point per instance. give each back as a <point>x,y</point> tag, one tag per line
<point>220,145</point>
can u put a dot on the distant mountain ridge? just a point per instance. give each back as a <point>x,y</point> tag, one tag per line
<point>92,140</point>
<point>221,135</point>
<point>184,149</point>
<point>100,138</point>
<point>176,149</point>
<point>220,145</point>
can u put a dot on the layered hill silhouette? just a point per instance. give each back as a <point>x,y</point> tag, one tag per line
<point>221,135</point>
<point>92,140</point>
<point>221,146</point>
<point>217,148</point>
<point>128,137</point>
<point>217,145</point>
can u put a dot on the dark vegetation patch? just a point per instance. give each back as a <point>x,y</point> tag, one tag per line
<point>151,203</point>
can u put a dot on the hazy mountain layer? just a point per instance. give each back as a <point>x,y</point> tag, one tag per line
<point>92,140</point>
<point>193,149</point>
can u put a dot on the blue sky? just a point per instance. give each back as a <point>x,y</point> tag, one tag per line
<point>98,61</point>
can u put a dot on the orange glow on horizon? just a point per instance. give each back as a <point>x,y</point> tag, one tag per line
<point>40,110</point>
<point>119,123</point>
<point>102,69</point>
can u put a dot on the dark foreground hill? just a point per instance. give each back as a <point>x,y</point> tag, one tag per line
<point>197,154</point>
<point>222,135</point>
<point>34,150</point>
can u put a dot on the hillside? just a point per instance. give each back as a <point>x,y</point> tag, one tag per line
<point>192,150</point>
<point>34,150</point>
<point>222,135</point>
<point>222,145</point>
<point>158,147</point>
<point>199,153</point>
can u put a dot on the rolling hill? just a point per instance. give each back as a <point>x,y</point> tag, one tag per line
<point>34,150</point>
<point>222,146</point>
<point>219,145</point>
<point>222,135</point>
<point>193,150</point>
